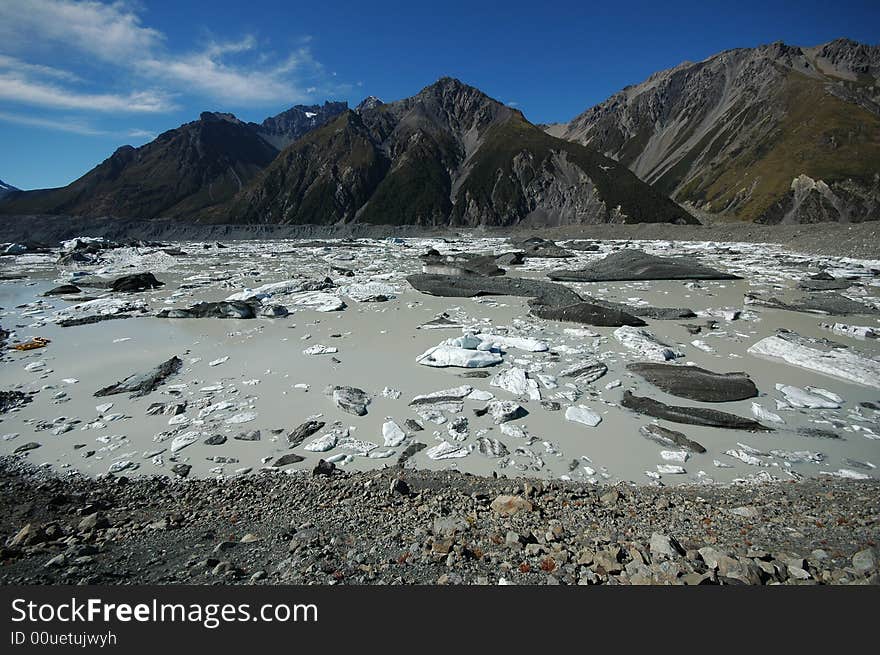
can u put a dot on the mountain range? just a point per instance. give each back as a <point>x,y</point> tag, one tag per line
<point>450,155</point>
<point>774,134</point>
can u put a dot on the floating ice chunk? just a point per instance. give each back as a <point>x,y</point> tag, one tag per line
<point>745,457</point>
<point>216,407</point>
<point>702,345</point>
<point>670,469</point>
<point>389,392</point>
<point>855,331</point>
<point>467,341</point>
<point>491,448</point>
<point>103,408</point>
<point>797,397</point>
<point>458,429</point>
<point>516,381</point>
<point>516,431</point>
<point>830,395</point>
<point>316,300</point>
<point>268,290</point>
<point>101,307</point>
<point>837,363</point>
<point>369,291</point>
<point>847,473</point>
<point>322,444</point>
<point>442,396</point>
<point>549,381</point>
<point>586,371</point>
<point>219,361</point>
<point>520,343</point>
<point>799,456</point>
<point>320,349</point>
<point>645,344</point>
<point>582,414</point>
<point>580,333</point>
<point>480,395</point>
<point>181,441</point>
<point>505,410</point>
<point>446,450</point>
<point>765,414</point>
<point>392,434</point>
<point>243,417</point>
<point>123,465</point>
<point>442,356</point>
<point>358,446</point>
<point>726,313</point>
<point>680,456</point>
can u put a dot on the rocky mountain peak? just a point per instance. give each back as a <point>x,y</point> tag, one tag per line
<point>370,102</point>
<point>727,135</point>
<point>288,126</point>
<point>215,116</point>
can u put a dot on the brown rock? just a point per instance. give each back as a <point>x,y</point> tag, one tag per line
<point>510,505</point>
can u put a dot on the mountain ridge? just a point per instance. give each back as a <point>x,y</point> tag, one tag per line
<point>449,155</point>
<point>776,133</point>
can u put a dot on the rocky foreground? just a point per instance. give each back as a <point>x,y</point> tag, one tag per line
<point>421,527</point>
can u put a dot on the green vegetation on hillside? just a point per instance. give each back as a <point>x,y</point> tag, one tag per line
<point>819,135</point>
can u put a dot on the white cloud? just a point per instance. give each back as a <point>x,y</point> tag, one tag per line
<point>208,73</point>
<point>60,125</point>
<point>73,125</point>
<point>18,88</point>
<point>113,35</point>
<point>18,66</point>
<point>111,32</point>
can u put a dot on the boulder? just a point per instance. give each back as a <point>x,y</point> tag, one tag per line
<point>690,415</point>
<point>135,282</point>
<point>632,265</point>
<point>695,383</point>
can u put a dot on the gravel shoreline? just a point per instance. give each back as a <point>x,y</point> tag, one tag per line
<point>420,527</point>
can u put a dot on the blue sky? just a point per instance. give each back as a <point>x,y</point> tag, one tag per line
<point>78,79</point>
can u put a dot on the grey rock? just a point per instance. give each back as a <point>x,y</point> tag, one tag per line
<point>286,460</point>
<point>135,282</point>
<point>181,469</point>
<point>690,415</point>
<point>665,545</point>
<point>631,265</point>
<point>303,432</point>
<point>865,560</point>
<point>549,301</point>
<point>140,384</point>
<point>349,399</point>
<point>667,437</point>
<point>223,309</point>
<point>695,383</point>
